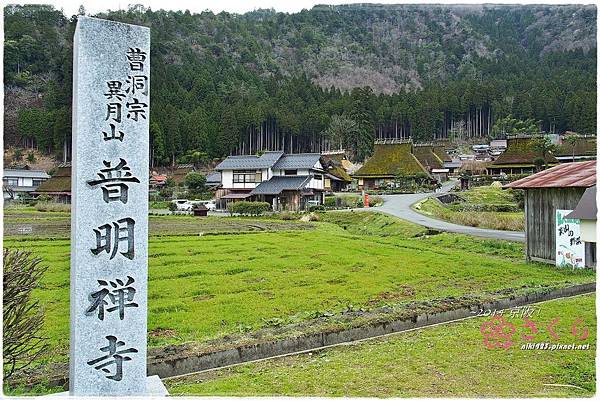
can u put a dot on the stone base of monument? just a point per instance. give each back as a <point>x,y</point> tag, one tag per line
<point>155,388</point>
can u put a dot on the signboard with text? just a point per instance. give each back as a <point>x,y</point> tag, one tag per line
<point>570,249</point>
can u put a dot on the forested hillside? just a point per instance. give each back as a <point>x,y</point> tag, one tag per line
<point>329,77</point>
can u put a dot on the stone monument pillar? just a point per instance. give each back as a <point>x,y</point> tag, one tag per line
<point>109,221</point>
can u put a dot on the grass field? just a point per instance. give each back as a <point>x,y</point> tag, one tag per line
<point>28,222</point>
<point>485,207</point>
<point>209,287</point>
<point>443,361</point>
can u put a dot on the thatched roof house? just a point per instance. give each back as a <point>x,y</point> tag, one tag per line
<point>584,149</point>
<point>518,157</point>
<point>388,161</point>
<point>427,156</point>
<point>58,186</point>
<point>336,176</point>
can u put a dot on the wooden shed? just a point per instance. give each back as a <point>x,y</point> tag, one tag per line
<point>559,187</point>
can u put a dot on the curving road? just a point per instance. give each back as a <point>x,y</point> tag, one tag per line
<point>399,206</point>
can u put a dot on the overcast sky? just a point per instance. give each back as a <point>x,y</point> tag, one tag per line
<point>70,7</point>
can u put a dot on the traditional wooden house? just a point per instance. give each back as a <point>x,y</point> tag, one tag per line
<point>213,180</point>
<point>58,186</point>
<point>286,181</point>
<point>433,158</point>
<point>426,155</point>
<point>157,181</point>
<point>387,162</point>
<point>336,176</point>
<point>559,187</point>
<point>583,149</point>
<point>21,182</point>
<point>518,158</point>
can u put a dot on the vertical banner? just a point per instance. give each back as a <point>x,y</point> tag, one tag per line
<point>570,250</point>
<point>109,220</point>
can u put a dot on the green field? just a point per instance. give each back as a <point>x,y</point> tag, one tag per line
<point>443,361</point>
<point>29,223</point>
<point>485,207</point>
<point>209,287</point>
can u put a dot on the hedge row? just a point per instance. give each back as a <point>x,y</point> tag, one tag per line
<point>249,208</point>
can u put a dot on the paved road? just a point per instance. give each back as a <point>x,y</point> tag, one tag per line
<point>399,206</point>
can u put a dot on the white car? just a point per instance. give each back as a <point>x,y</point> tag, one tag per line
<point>183,204</point>
<point>210,204</point>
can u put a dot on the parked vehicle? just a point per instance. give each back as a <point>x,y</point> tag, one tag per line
<point>183,204</point>
<point>210,204</point>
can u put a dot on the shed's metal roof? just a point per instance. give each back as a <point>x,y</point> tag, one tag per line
<point>298,160</point>
<point>266,160</point>
<point>582,175</point>
<point>586,209</point>
<point>279,183</point>
<point>25,173</point>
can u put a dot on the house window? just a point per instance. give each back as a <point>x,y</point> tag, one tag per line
<point>37,182</point>
<point>246,176</point>
<point>318,177</point>
<point>290,172</point>
<point>11,182</point>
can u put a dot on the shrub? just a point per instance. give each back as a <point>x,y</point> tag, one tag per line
<point>52,207</point>
<point>315,208</point>
<point>22,319</point>
<point>195,182</point>
<point>44,198</point>
<point>249,208</point>
<point>519,197</point>
<point>375,200</point>
<point>31,157</point>
<point>172,207</point>
<point>166,192</point>
<point>17,155</point>
<point>331,201</point>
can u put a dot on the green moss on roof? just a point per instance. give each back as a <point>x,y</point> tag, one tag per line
<point>339,172</point>
<point>391,160</point>
<point>520,151</point>
<point>59,182</point>
<point>583,147</point>
<point>426,156</point>
<point>440,151</point>
<point>55,184</point>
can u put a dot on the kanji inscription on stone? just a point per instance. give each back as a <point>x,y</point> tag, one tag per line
<point>109,226</point>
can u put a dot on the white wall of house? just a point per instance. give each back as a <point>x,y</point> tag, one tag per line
<point>227,178</point>
<point>317,184</point>
<point>16,182</point>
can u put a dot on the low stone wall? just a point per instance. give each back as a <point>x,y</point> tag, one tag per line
<point>187,364</point>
